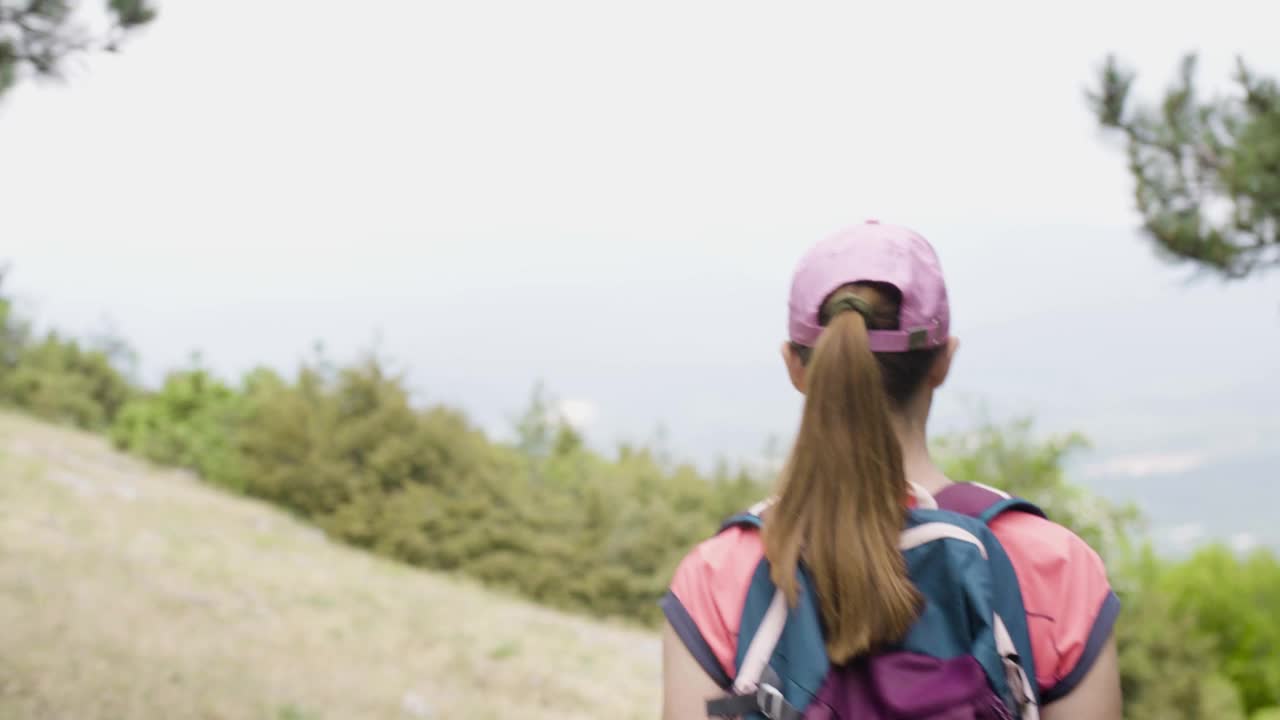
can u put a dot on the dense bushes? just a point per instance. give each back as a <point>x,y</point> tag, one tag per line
<point>59,380</point>
<point>558,522</point>
<point>1235,602</point>
<point>56,378</point>
<point>547,517</point>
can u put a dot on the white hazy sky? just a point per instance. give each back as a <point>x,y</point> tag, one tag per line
<point>609,197</point>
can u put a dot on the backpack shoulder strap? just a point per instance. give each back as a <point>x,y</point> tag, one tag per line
<point>749,518</point>
<point>781,657</point>
<point>742,520</point>
<point>982,502</point>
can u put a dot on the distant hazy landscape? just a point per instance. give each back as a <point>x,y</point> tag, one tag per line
<point>1232,500</point>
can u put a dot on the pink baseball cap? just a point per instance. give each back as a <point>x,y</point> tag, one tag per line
<point>873,252</point>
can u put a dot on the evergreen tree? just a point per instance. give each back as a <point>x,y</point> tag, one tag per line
<point>37,35</point>
<point>1206,171</point>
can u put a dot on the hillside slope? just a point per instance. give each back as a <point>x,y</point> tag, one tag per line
<point>130,592</point>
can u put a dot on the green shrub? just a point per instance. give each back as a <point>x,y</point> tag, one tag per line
<point>548,517</point>
<point>1234,601</point>
<point>57,379</point>
<point>15,331</point>
<point>191,422</point>
<point>1167,664</point>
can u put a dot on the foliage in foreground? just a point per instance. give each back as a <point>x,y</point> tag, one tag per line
<point>1206,171</point>
<point>36,36</point>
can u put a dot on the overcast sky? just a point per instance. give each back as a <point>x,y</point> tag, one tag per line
<point>610,197</point>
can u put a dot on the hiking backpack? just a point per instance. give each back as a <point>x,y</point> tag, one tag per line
<point>967,657</point>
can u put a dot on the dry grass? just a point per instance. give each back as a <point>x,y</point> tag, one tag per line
<point>127,592</point>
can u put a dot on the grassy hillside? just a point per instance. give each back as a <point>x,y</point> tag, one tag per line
<point>128,592</point>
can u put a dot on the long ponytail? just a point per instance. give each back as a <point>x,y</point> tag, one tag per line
<point>841,503</point>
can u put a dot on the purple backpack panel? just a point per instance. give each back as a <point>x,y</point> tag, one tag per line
<point>907,686</point>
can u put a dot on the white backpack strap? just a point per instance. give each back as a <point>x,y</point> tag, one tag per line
<point>924,499</point>
<point>928,532</point>
<point>1019,683</point>
<point>752,692</point>
<point>762,645</point>
<point>759,508</point>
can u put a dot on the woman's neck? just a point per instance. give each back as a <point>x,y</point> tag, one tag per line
<point>917,464</point>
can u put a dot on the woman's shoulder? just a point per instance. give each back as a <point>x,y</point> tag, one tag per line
<point>723,563</point>
<point>1071,608</point>
<point>1033,541</point>
<point>704,602</point>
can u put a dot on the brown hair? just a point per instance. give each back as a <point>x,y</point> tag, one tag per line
<point>841,502</point>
